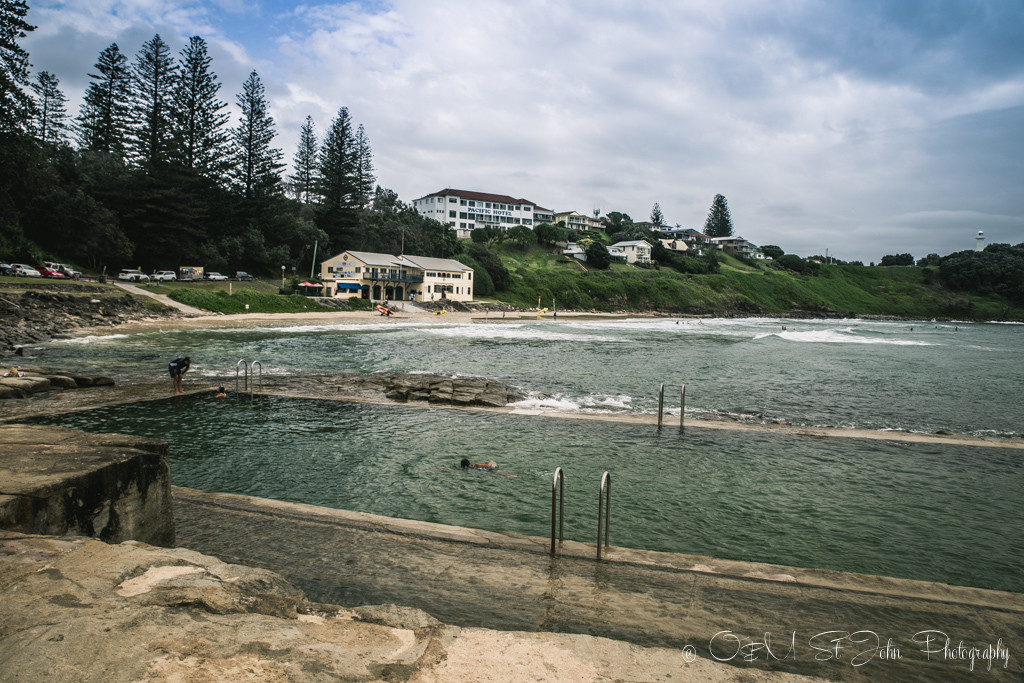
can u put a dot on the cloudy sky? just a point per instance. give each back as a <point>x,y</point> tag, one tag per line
<point>861,127</point>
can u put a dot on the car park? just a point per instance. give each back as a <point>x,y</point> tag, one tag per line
<point>25,270</point>
<point>242,275</point>
<point>164,276</point>
<point>50,272</point>
<point>131,275</point>
<point>214,275</point>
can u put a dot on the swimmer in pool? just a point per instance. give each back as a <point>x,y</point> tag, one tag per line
<point>488,467</point>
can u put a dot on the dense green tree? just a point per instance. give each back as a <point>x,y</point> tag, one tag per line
<point>929,260</point>
<point>657,217</point>
<point>103,120</point>
<point>490,262</point>
<point>598,256</point>
<point>338,212</point>
<point>998,269</point>
<point>772,251</point>
<point>719,222</point>
<point>364,179</point>
<point>154,75</point>
<point>798,265</point>
<point>616,222</point>
<point>897,260</point>
<point>550,234</point>
<point>257,165</point>
<point>306,175</point>
<point>522,236</point>
<point>51,119</point>
<point>199,126</point>
<point>16,107</point>
<point>482,283</point>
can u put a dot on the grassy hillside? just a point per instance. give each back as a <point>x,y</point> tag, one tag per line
<point>740,289</point>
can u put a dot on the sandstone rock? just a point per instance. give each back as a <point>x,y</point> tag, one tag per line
<point>403,387</point>
<point>64,481</point>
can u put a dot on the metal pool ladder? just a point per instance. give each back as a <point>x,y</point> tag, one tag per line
<point>604,502</point>
<point>604,508</point>
<point>557,486</point>
<point>249,373</point>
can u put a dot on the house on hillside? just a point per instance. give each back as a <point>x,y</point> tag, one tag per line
<point>635,251</point>
<point>697,242</point>
<point>675,245</point>
<point>737,246</point>
<point>370,275</point>
<point>578,221</point>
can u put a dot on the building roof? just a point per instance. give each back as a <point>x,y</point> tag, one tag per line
<point>373,259</point>
<point>430,263</point>
<point>479,196</point>
<point>632,243</point>
<point>406,261</point>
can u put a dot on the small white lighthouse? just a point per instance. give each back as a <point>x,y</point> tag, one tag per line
<point>979,242</point>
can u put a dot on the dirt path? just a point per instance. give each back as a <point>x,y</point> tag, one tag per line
<point>165,300</point>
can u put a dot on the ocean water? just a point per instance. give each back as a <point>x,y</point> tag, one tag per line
<point>934,512</point>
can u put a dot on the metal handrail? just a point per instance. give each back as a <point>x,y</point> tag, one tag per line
<point>557,484</point>
<point>252,373</point>
<point>604,503</point>
<point>245,371</point>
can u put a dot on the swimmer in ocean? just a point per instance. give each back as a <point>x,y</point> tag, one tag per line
<point>488,467</point>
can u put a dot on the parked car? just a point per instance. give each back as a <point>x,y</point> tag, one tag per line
<point>131,275</point>
<point>214,275</point>
<point>5,269</point>
<point>24,270</point>
<point>61,268</point>
<point>164,276</point>
<point>50,272</point>
<point>242,275</point>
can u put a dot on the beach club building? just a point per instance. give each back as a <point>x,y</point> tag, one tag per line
<point>375,276</point>
<point>466,211</point>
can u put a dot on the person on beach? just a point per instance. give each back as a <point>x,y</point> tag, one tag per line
<point>177,368</point>
<point>488,467</point>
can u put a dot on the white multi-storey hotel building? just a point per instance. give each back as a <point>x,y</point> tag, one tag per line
<point>465,210</point>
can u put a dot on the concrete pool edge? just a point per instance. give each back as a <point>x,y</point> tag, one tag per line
<point>868,584</point>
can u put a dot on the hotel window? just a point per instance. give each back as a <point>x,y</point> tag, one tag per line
<point>487,205</point>
<point>463,214</point>
<point>462,202</point>
<point>452,200</point>
<point>472,203</point>
<point>527,208</point>
<point>451,214</point>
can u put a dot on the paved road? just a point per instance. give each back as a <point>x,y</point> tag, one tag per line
<point>166,300</point>
<point>507,582</point>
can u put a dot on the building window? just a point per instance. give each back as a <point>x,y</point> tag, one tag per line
<point>472,203</point>
<point>452,200</point>
<point>451,214</point>
<point>462,202</point>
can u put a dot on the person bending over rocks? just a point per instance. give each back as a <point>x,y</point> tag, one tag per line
<point>177,368</point>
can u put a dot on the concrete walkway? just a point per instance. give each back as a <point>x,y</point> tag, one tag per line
<point>826,624</point>
<point>165,300</point>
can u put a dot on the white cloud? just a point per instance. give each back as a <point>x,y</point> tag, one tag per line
<point>822,123</point>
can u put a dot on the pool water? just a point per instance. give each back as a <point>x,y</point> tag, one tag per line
<point>923,511</point>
